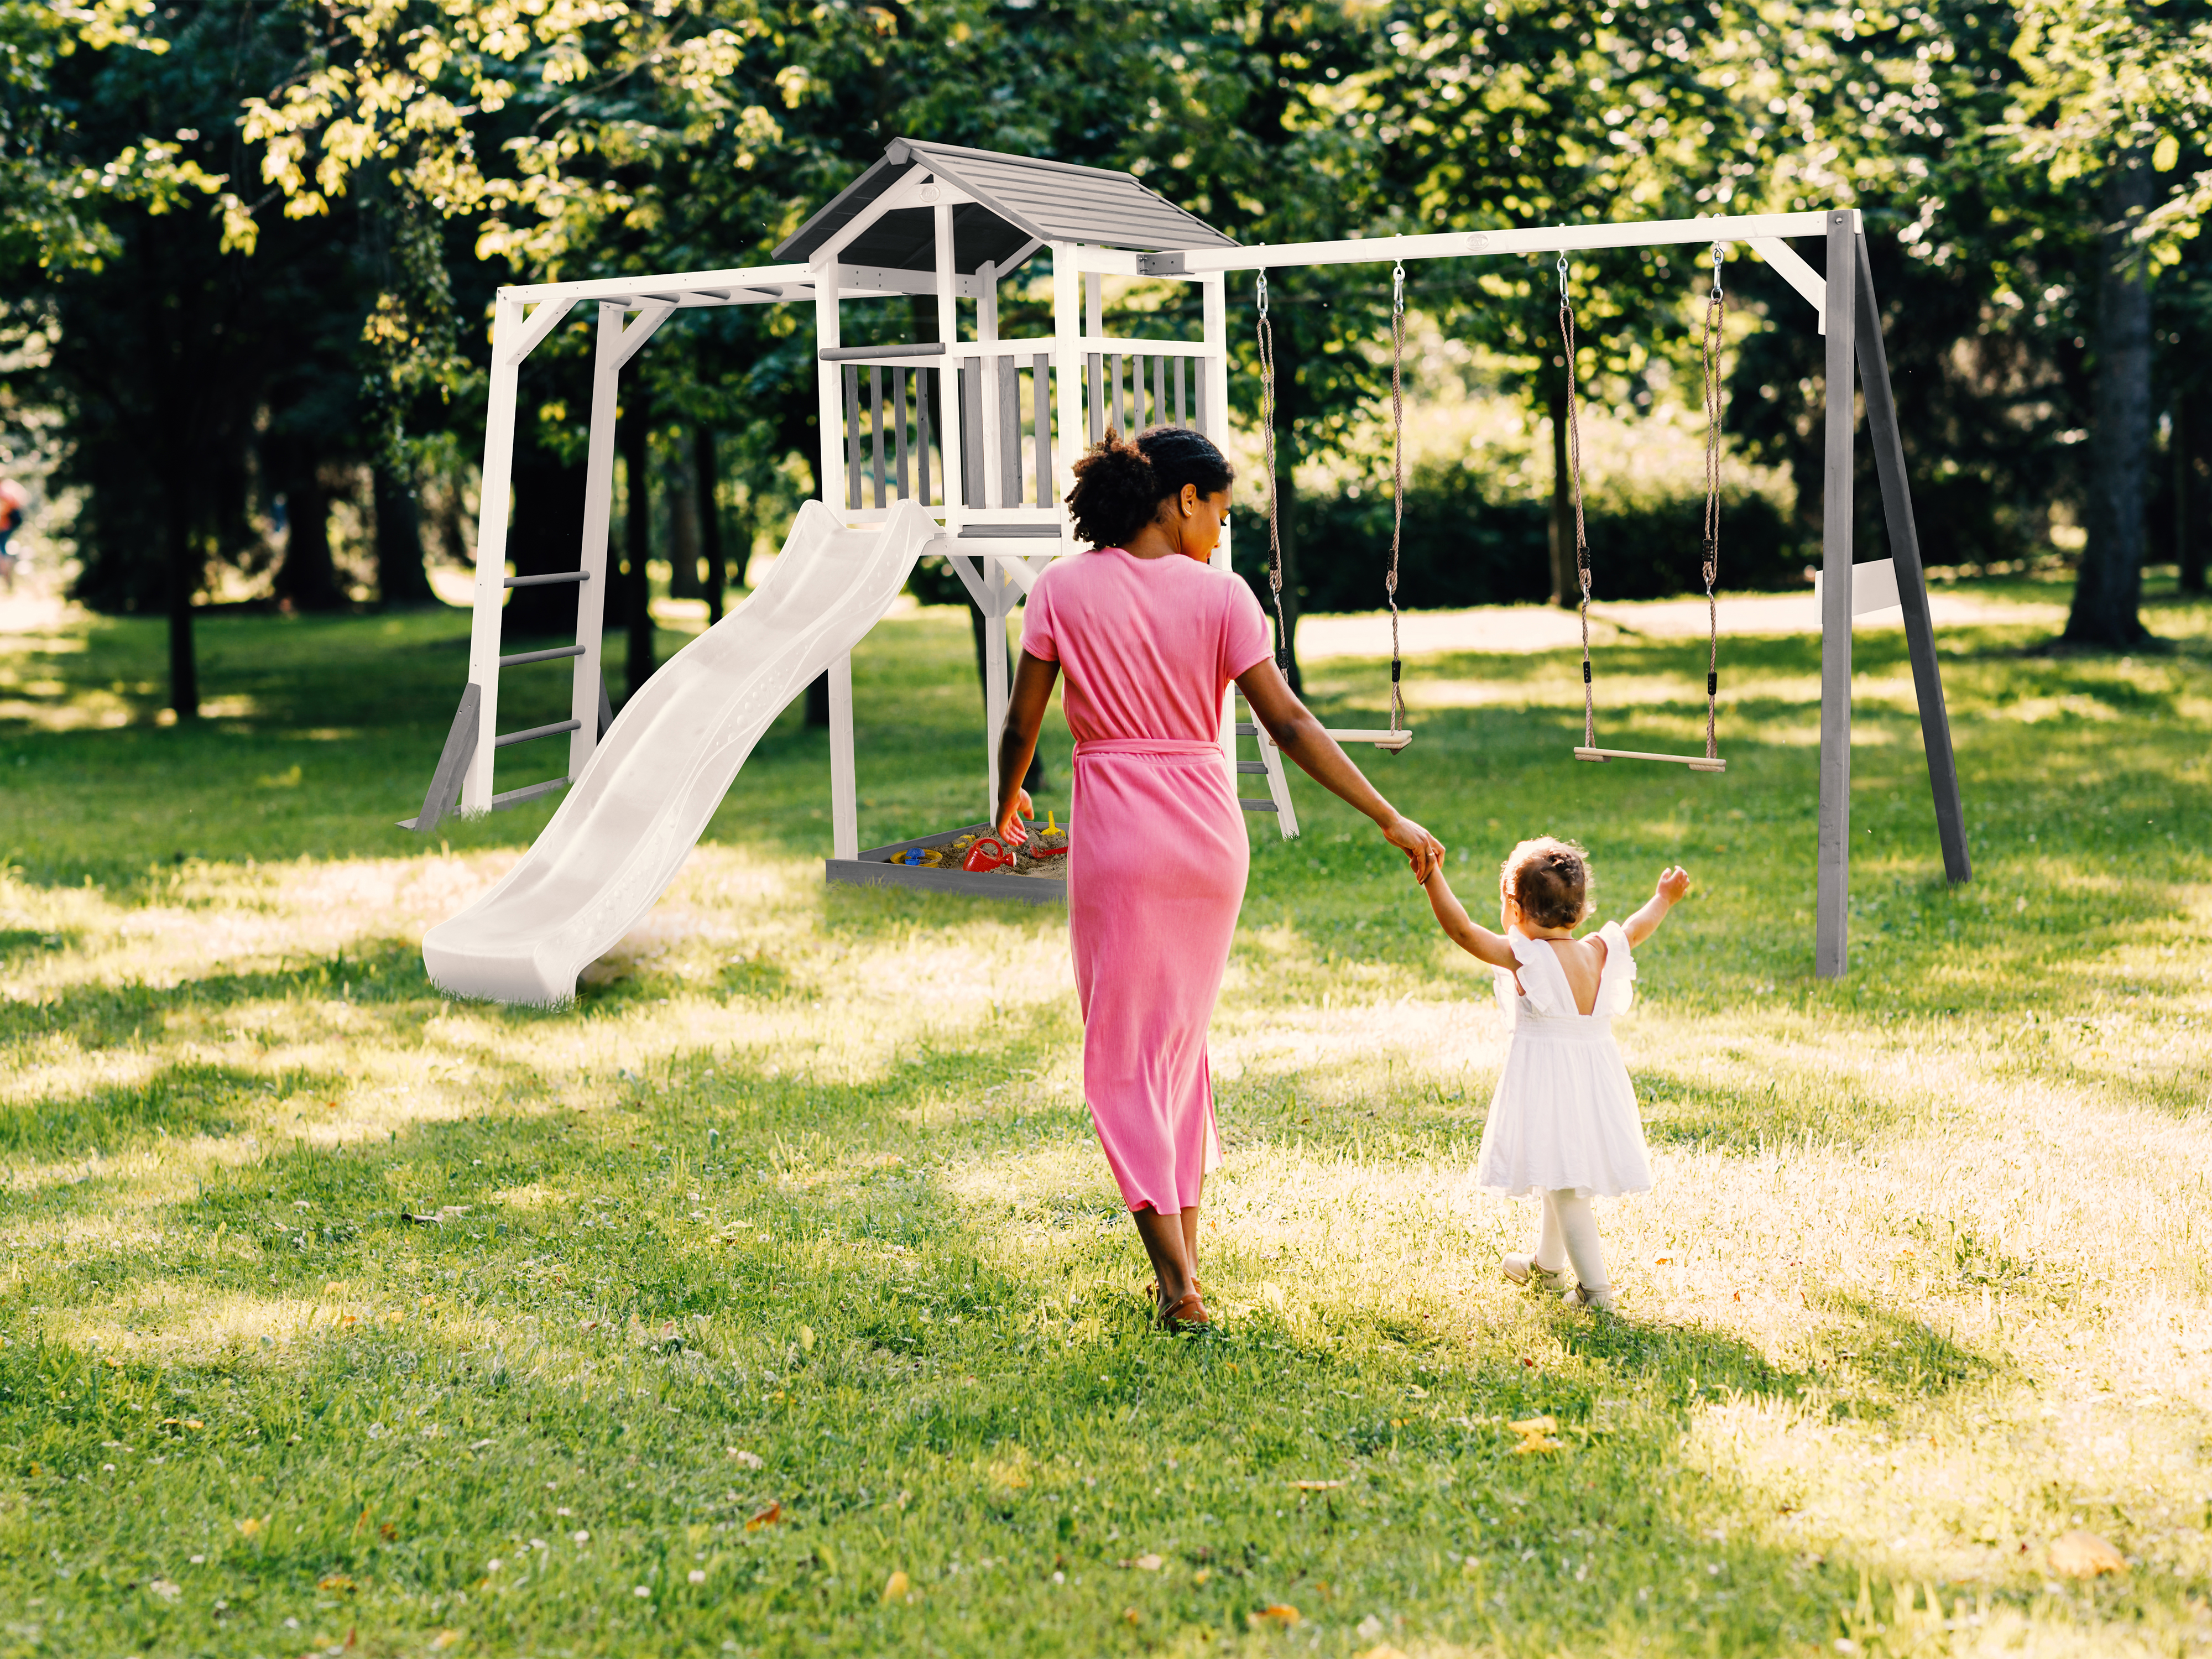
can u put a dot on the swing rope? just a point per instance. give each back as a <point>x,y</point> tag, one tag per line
<point>1715,316</point>
<point>1575,481</point>
<point>1397,479</point>
<point>1267,339</point>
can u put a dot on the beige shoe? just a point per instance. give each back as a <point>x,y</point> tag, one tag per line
<point>1583,1297</point>
<point>1522,1268</point>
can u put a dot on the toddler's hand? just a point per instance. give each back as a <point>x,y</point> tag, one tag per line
<point>1674,883</point>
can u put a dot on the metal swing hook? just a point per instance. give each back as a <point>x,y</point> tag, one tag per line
<point>1563,271</point>
<point>1263,295</point>
<point>1397,290</point>
<point>1717,258</point>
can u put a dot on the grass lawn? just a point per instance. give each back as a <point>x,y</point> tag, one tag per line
<point>775,1298</point>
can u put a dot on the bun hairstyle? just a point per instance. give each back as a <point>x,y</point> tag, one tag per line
<point>1121,482</point>
<point>1549,879</point>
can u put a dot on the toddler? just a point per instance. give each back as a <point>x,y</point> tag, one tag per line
<point>1564,1123</point>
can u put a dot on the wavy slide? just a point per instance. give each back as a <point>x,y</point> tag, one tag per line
<point>629,822</point>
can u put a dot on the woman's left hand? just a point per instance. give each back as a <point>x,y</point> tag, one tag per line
<point>1423,851</point>
<point>1010,827</point>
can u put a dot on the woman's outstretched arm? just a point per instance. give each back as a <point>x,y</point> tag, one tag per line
<point>1300,735</point>
<point>1034,678</point>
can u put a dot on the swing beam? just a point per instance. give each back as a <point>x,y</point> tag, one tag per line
<point>1843,299</point>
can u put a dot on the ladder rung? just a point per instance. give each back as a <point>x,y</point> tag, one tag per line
<point>537,731</point>
<point>1252,806</point>
<point>522,657</point>
<point>548,582</point>
<point>1381,738</point>
<point>528,792</point>
<point>1247,729</point>
<point>1695,762</point>
<point>1252,766</point>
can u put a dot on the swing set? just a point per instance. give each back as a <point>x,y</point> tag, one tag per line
<point>1843,301</point>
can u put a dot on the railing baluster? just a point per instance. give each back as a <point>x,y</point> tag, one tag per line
<point>852,435</point>
<point>1120,425</point>
<point>1198,387</point>
<point>1179,420</point>
<point>1040,402</point>
<point>1008,373</point>
<point>1094,387</point>
<point>921,434</point>
<point>1159,391</point>
<point>970,388</point>
<point>898,423</point>
<point>876,425</point>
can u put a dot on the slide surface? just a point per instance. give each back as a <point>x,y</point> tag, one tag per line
<point>629,822</point>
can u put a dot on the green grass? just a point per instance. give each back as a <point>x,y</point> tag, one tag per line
<point>680,1321</point>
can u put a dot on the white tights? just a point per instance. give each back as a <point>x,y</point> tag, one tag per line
<point>1569,1235</point>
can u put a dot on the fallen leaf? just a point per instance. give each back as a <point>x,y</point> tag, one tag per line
<point>750,1460</point>
<point>895,1587</point>
<point>1278,1612</point>
<point>337,1581</point>
<point>445,1639</point>
<point>1202,1576</point>
<point>766,1517</point>
<point>1315,1485</point>
<point>1535,1426</point>
<point>806,1338</point>
<point>251,1525</point>
<point>167,1588</point>
<point>1129,1615</point>
<point>2084,1555</point>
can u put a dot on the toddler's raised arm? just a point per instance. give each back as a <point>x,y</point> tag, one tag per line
<point>1470,935</point>
<point>1673,882</point>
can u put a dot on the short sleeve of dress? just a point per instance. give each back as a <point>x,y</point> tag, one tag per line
<point>1243,630</point>
<point>1616,986</point>
<point>1037,623</point>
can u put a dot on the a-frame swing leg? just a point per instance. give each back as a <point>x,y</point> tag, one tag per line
<point>1911,583</point>
<point>1832,900</point>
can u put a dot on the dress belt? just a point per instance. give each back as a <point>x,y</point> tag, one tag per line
<point>1161,746</point>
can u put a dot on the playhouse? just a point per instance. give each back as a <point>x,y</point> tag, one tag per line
<point>961,447</point>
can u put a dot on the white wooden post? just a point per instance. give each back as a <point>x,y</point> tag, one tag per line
<point>1002,591</point>
<point>1214,300</point>
<point>844,789</point>
<point>1067,375</point>
<point>948,378</point>
<point>598,507</point>
<point>492,511</point>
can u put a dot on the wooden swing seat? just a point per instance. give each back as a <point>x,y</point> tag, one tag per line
<point>1695,762</point>
<point>1392,741</point>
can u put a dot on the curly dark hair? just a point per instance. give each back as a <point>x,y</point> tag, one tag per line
<point>1550,879</point>
<point>1121,482</point>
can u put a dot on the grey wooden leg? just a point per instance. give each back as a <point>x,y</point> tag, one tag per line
<point>606,707</point>
<point>445,792</point>
<point>1911,583</point>
<point>1832,905</point>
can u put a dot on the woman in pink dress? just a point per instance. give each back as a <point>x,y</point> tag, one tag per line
<point>1150,635</point>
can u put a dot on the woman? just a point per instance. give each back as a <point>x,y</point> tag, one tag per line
<point>1150,635</point>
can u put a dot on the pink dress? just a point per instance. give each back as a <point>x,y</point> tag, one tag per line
<point>1158,857</point>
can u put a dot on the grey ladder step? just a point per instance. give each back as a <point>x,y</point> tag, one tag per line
<point>528,792</point>
<point>1246,729</point>
<point>1252,766</point>
<point>537,731</point>
<point>1252,806</point>
<point>522,657</point>
<point>547,581</point>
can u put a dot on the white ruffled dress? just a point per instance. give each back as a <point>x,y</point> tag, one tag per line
<point>1564,1113</point>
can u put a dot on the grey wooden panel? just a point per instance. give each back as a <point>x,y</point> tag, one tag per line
<point>922,377</point>
<point>1040,399</point>
<point>877,352</point>
<point>1159,392</point>
<point>1179,405</point>
<point>1008,373</point>
<point>851,375</point>
<point>876,427</point>
<point>899,421</point>
<point>528,792</point>
<point>444,794</point>
<point>1094,385</point>
<point>1120,422</point>
<point>1832,902</point>
<point>1888,446</point>
<point>1198,387</point>
<point>971,432</point>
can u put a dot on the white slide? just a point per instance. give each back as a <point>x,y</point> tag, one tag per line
<point>629,822</point>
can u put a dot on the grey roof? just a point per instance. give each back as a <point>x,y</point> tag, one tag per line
<point>1018,200</point>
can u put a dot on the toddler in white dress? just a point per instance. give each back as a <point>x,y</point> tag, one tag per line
<point>1562,1124</point>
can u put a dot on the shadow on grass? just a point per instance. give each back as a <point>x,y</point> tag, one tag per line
<point>1702,1116</point>
<point>190,1098</point>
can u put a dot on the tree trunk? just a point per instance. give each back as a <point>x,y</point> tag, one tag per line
<point>400,579</point>
<point>1286,494</point>
<point>707,476</point>
<point>2109,589</point>
<point>2188,510</point>
<point>307,580</point>
<point>1566,585</point>
<point>185,573</point>
<point>681,491</point>
<point>637,538</point>
<point>543,539</point>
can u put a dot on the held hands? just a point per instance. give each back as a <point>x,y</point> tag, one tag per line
<point>1424,853</point>
<point>1673,884</point>
<point>1010,826</point>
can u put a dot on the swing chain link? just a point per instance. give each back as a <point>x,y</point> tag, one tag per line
<point>1266,344</point>
<point>1715,318</point>
<point>1575,479</point>
<point>1397,478</point>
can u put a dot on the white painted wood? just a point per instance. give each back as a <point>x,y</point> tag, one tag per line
<point>844,778</point>
<point>989,367</point>
<point>651,316</point>
<point>549,316</point>
<point>494,502</point>
<point>1874,589</point>
<point>687,282</point>
<point>1791,266</point>
<point>1094,301</point>
<point>599,509</point>
<point>1134,347</point>
<point>879,281</point>
<point>1068,381</point>
<point>948,383</point>
<point>1002,596</point>
<point>829,391</point>
<point>1540,239</point>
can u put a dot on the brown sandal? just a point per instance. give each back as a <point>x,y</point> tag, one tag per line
<point>1187,1313</point>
